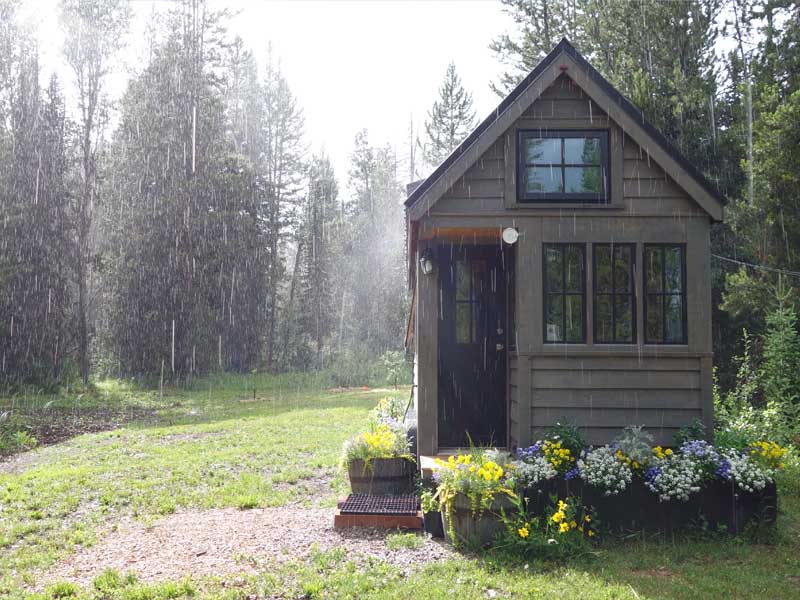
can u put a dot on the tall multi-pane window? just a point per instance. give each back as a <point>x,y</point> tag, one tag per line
<point>562,166</point>
<point>564,293</point>
<point>665,293</point>
<point>614,297</point>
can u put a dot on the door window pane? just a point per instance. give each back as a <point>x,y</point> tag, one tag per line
<point>463,327</point>
<point>462,280</point>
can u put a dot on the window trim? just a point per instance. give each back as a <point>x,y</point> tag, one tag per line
<point>662,294</point>
<point>546,293</point>
<point>614,293</point>
<point>563,197</point>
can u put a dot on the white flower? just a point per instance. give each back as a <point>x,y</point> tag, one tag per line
<point>601,468</point>
<point>529,472</point>
<point>747,473</point>
<point>674,477</point>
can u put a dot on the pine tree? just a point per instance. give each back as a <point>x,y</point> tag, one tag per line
<point>450,119</point>
<point>94,30</point>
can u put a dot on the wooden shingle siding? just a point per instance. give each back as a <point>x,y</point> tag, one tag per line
<point>604,394</point>
<point>513,400</point>
<point>480,189</point>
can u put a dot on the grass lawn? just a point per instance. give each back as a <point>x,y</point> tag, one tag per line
<point>215,445</point>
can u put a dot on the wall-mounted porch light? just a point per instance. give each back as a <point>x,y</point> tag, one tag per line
<point>426,261</point>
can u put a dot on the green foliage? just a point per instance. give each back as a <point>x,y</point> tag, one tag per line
<point>450,119</point>
<point>381,441</point>
<point>635,443</point>
<point>694,431</point>
<point>570,436</point>
<point>397,367</point>
<point>562,532</point>
<point>408,541</point>
<point>781,363</point>
<point>15,435</point>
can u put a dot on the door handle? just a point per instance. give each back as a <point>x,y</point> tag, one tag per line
<point>500,347</point>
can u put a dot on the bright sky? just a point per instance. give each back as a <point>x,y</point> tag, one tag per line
<point>351,64</point>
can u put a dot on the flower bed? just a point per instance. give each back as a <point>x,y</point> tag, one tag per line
<point>661,489</point>
<point>557,494</point>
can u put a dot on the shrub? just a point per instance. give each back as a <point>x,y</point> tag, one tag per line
<point>562,531</point>
<point>569,435</point>
<point>381,441</point>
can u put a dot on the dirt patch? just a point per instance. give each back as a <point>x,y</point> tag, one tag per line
<point>230,542</point>
<point>56,425</point>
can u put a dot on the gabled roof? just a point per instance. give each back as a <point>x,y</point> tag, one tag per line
<point>612,101</point>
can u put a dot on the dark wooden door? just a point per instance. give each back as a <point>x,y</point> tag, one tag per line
<point>472,345</point>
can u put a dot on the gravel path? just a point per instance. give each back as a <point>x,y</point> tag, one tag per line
<point>230,541</point>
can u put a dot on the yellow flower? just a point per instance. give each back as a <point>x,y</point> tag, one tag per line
<point>523,532</point>
<point>668,452</point>
<point>558,516</point>
<point>591,533</point>
<point>563,528</point>
<point>573,524</point>
<point>588,519</point>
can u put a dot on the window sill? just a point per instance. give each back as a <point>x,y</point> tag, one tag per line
<point>565,205</point>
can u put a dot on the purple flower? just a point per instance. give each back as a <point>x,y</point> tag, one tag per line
<point>572,473</point>
<point>652,474</point>
<point>724,469</point>
<point>700,449</point>
<point>529,452</point>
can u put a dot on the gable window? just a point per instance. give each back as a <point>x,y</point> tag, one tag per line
<point>614,300</point>
<point>564,293</point>
<point>665,293</point>
<point>562,166</point>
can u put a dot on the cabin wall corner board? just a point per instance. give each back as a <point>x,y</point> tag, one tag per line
<point>581,336</point>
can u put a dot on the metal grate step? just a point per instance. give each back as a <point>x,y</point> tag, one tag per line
<point>366,504</point>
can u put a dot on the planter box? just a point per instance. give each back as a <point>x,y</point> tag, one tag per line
<point>719,505</point>
<point>474,530</point>
<point>382,476</point>
<point>433,524</point>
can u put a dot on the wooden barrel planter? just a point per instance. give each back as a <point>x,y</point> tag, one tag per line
<point>474,529</point>
<point>382,476</point>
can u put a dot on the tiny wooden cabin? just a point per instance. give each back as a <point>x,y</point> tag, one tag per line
<point>560,266</point>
